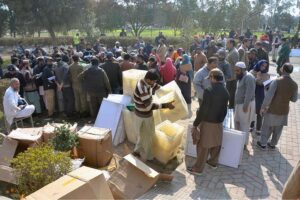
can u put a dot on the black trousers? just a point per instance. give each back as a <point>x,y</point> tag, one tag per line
<point>231,87</point>
<point>69,101</point>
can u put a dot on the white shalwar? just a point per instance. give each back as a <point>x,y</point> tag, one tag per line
<point>242,120</point>
<point>10,104</point>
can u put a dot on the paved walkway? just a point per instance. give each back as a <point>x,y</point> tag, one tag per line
<point>261,175</point>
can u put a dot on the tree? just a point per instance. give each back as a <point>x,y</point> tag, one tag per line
<point>109,15</point>
<point>52,15</point>
<point>3,19</point>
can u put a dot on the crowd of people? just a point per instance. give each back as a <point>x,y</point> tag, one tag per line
<point>226,72</point>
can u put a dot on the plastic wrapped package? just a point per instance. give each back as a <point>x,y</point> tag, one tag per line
<point>131,132</point>
<point>166,141</point>
<point>179,112</point>
<point>171,92</point>
<point>130,79</point>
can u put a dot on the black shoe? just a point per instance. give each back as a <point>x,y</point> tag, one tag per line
<point>136,154</point>
<point>271,146</point>
<point>212,166</point>
<point>260,145</point>
<point>258,133</point>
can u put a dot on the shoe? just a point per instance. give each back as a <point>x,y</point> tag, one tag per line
<point>260,145</point>
<point>193,171</point>
<point>258,133</point>
<point>136,154</point>
<point>212,166</point>
<point>271,146</point>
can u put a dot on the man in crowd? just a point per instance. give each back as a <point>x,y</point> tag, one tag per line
<point>126,64</point>
<point>123,33</point>
<point>96,84</point>
<point>244,99</point>
<point>199,59</point>
<point>144,120</point>
<point>49,84</point>
<point>140,63</point>
<point>275,107</point>
<point>162,50</point>
<point>207,129</point>
<point>13,72</point>
<point>232,59</point>
<point>275,45</point>
<point>37,72</point>
<point>14,105</point>
<point>243,56</point>
<point>223,65</point>
<point>261,53</point>
<point>159,38</point>
<point>200,81</point>
<point>59,72</point>
<point>113,72</point>
<point>80,96</point>
<point>283,54</point>
<point>252,55</point>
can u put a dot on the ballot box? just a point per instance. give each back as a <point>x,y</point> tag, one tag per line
<point>166,141</point>
<point>168,93</point>
<point>130,79</point>
<point>232,148</point>
<point>229,119</point>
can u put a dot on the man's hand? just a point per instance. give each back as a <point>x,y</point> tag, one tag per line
<point>245,109</point>
<point>170,105</point>
<point>263,111</point>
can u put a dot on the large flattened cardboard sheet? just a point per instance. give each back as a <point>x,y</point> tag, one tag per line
<point>27,135</point>
<point>109,116</point>
<point>132,179</point>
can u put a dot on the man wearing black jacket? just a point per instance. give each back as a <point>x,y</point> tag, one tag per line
<point>208,126</point>
<point>114,73</point>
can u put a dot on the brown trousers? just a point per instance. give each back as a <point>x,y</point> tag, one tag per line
<point>50,101</point>
<point>202,156</point>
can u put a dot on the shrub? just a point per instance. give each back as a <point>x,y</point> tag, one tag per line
<point>109,41</point>
<point>64,139</point>
<point>38,167</point>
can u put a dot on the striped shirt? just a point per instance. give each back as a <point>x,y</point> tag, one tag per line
<point>143,99</point>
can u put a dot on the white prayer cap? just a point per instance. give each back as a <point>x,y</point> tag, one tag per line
<point>241,65</point>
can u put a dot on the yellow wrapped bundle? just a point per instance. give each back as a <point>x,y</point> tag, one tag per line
<point>166,141</point>
<point>168,93</point>
<point>130,79</point>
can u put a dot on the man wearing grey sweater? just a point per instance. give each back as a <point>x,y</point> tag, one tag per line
<point>201,82</point>
<point>244,99</point>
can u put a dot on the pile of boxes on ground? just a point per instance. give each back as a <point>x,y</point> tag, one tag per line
<point>114,123</point>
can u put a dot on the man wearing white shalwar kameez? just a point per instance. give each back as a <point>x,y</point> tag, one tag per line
<point>244,112</point>
<point>10,103</point>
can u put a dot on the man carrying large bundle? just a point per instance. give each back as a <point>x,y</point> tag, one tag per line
<point>144,106</point>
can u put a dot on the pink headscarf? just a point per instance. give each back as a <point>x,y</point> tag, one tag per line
<point>168,71</point>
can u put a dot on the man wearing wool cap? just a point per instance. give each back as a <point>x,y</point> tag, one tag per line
<point>244,99</point>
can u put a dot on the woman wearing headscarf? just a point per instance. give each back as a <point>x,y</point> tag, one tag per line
<point>167,72</point>
<point>183,80</point>
<point>260,72</point>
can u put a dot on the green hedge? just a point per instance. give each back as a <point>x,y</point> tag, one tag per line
<point>67,40</point>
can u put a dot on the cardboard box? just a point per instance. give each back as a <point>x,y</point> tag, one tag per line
<point>7,152</point>
<point>132,179</point>
<point>83,183</point>
<point>166,141</point>
<point>27,136</point>
<point>130,79</point>
<point>7,174</point>
<point>48,130</point>
<point>95,144</point>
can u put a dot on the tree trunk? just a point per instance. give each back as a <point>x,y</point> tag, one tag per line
<point>52,33</point>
